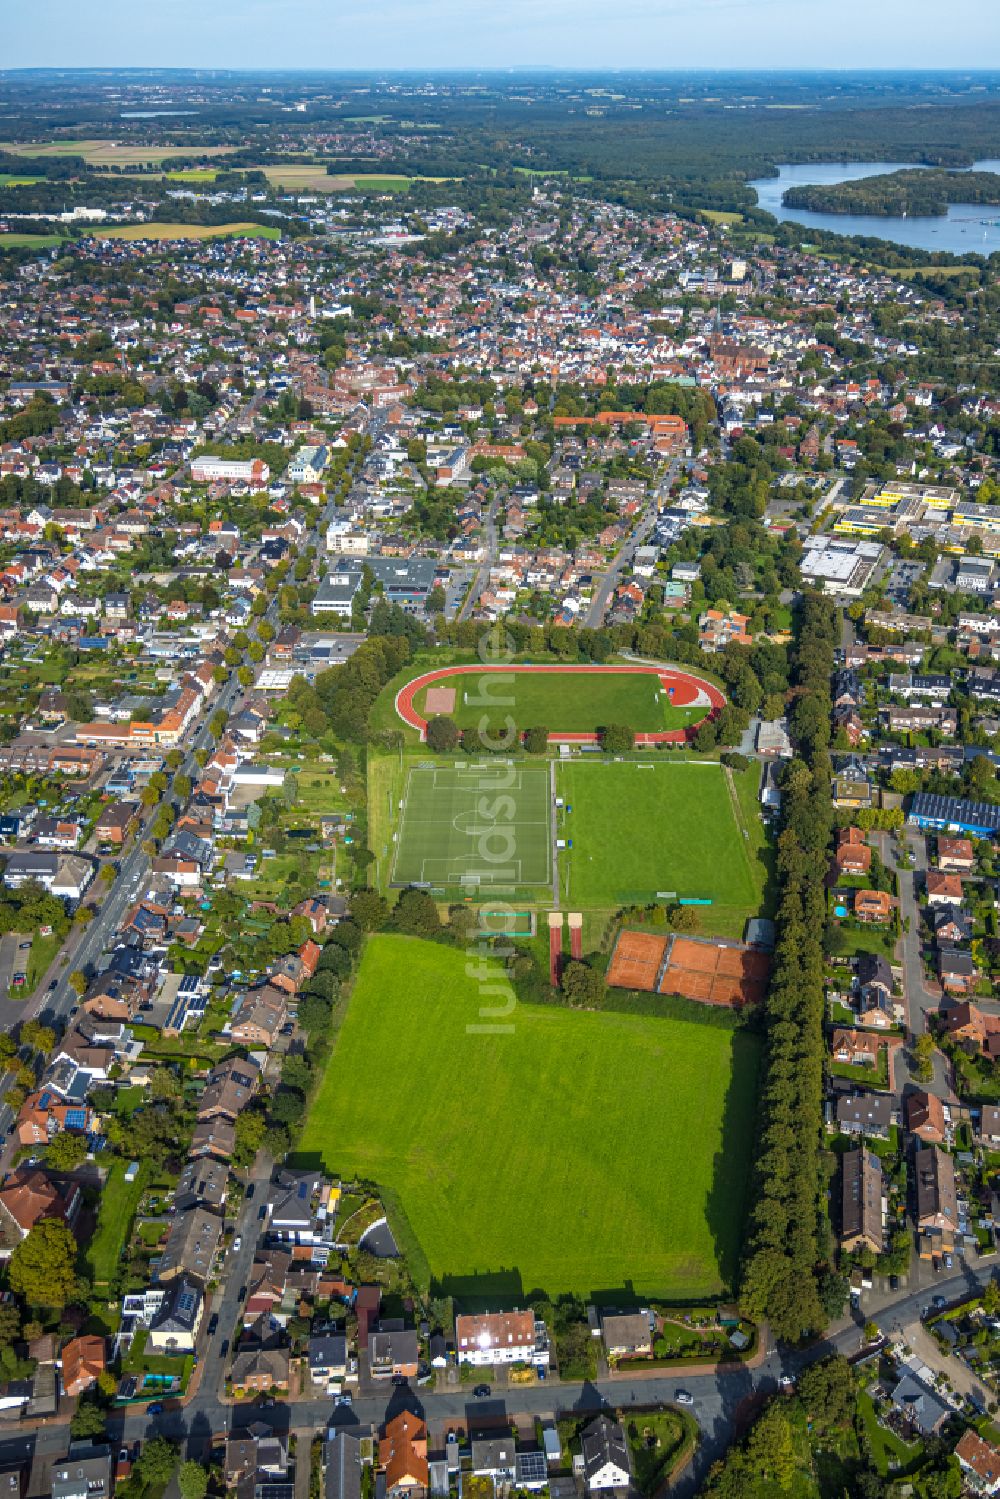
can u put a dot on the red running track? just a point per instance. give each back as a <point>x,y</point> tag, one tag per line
<point>687,689</point>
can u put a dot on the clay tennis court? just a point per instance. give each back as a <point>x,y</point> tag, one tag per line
<point>711,972</point>
<point>636,960</point>
<point>716,973</point>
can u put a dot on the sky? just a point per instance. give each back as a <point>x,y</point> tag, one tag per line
<point>429,34</point>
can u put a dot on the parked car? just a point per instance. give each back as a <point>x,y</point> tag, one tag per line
<point>156,1409</point>
<point>237,1244</point>
<point>250,1191</point>
<point>683,1397</point>
<point>344,1399</point>
<point>893,1282</point>
<point>225,1347</point>
<point>481,1391</point>
<point>213,1324</point>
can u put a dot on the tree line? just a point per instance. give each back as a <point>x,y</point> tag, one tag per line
<point>787,1276</point>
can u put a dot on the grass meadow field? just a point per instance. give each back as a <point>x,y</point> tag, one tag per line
<point>30,241</point>
<point>639,827</point>
<point>571,1152</point>
<point>565,702</point>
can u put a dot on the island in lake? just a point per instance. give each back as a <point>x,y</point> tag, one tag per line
<point>918,192</point>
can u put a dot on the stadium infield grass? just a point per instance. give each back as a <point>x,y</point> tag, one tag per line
<point>574,1153</point>
<point>648,825</point>
<point>564,702</point>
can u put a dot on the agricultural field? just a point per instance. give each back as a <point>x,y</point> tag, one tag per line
<point>187,231</point>
<point>481,824</point>
<point>509,1160</point>
<point>106,153</point>
<point>297,177</point>
<point>8,179</point>
<point>648,826</point>
<point>564,702</point>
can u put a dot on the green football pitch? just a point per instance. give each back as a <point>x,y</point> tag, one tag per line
<point>641,829</point>
<point>477,825</point>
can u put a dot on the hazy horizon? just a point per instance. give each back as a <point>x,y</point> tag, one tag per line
<point>454,35</point>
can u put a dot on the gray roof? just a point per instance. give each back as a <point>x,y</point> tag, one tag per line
<point>342,1466</point>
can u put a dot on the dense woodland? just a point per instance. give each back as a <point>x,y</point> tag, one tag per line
<point>918,193</point>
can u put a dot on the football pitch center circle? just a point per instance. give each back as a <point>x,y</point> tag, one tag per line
<point>685,689</point>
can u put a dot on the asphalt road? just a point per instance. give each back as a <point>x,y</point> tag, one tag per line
<point>492,545</point>
<point>722,1402</point>
<point>637,537</point>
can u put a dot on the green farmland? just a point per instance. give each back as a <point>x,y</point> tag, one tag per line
<point>564,702</point>
<point>639,827</point>
<point>514,1159</point>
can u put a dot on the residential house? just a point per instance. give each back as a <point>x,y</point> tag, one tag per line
<point>28,1195</point>
<point>937,1199</point>
<point>342,1465</point>
<point>855,1048</point>
<point>852,854</point>
<point>957,971</point>
<point>979,1460</point>
<point>874,983</point>
<point>260,1369</point>
<point>868,1114</point>
<point>174,1328</point>
<point>925,1411</point>
<point>84,1474</point>
<point>191,1246</point>
<point>873,906</point>
<point>230,1087</point>
<point>605,1455</point>
<point>861,1201</point>
<point>116,822</point>
<point>393,1351</point>
<point>83,1360</point>
<point>327,1355</point>
<point>260,1017</point>
<point>489,1338</point>
<point>988,1132</point>
<point>495,1458</point>
<point>967,1024</point>
<point>202,1184</point>
<point>956,855</point>
<point>627,1334</point>
<point>925,1117</point>
<point>403,1456</point>
<point>943,888</point>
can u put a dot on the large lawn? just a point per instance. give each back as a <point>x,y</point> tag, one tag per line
<point>649,826</point>
<point>563,702</point>
<point>571,1152</point>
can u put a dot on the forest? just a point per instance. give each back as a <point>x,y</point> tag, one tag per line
<point>918,192</point>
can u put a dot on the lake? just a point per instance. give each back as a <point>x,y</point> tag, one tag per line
<point>968,227</point>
